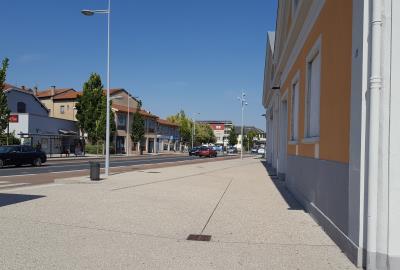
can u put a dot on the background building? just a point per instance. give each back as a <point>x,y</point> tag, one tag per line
<point>220,128</point>
<point>60,102</point>
<point>259,140</point>
<point>30,121</point>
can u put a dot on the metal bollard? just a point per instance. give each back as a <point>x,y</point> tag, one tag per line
<point>94,171</point>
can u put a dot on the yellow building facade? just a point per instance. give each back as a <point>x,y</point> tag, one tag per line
<point>329,94</point>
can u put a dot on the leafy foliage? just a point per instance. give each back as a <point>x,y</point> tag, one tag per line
<point>251,135</point>
<point>12,139</point>
<point>137,127</point>
<point>4,111</point>
<point>185,125</point>
<point>245,144</point>
<point>232,138</point>
<point>92,110</point>
<point>204,134</point>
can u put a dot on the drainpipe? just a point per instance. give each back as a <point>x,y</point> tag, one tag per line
<point>375,85</point>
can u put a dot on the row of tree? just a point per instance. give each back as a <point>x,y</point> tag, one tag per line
<point>203,133</point>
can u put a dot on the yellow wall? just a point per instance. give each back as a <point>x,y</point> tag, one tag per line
<point>54,108</point>
<point>69,111</point>
<point>334,27</point>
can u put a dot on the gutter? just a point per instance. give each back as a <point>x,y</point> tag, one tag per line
<point>372,161</point>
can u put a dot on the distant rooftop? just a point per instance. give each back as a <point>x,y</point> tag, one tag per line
<point>215,121</point>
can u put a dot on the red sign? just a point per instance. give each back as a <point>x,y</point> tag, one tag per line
<point>13,118</point>
<point>217,126</point>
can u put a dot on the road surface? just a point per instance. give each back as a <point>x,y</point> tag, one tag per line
<point>15,177</point>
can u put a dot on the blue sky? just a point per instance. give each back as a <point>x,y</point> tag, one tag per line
<point>195,55</point>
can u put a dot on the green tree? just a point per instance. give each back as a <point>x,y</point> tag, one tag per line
<point>4,111</point>
<point>232,138</point>
<point>92,110</point>
<point>137,127</point>
<point>251,135</point>
<point>204,134</point>
<point>245,143</point>
<point>185,125</point>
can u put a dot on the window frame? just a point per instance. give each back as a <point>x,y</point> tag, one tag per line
<point>295,82</point>
<point>62,109</point>
<point>19,103</point>
<point>315,51</point>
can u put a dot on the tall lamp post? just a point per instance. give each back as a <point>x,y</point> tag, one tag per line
<point>108,12</point>
<point>243,103</point>
<point>194,126</point>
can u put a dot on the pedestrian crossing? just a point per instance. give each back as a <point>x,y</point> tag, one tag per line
<point>9,184</point>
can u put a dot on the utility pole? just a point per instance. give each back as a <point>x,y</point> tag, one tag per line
<point>243,103</point>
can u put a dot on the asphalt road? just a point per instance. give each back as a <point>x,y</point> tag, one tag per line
<point>19,177</point>
<point>82,164</point>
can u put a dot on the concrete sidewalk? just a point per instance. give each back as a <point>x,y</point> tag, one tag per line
<point>141,219</point>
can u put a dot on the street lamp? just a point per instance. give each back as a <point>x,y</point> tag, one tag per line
<point>194,126</point>
<point>87,12</point>
<point>243,103</point>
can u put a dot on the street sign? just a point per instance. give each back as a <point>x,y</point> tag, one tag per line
<point>13,118</point>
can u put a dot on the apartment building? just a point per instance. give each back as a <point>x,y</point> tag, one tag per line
<point>61,104</point>
<point>59,101</point>
<point>330,94</point>
<point>221,129</point>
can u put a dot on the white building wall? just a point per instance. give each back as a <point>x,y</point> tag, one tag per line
<point>22,126</point>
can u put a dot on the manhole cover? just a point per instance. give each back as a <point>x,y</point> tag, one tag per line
<point>199,237</point>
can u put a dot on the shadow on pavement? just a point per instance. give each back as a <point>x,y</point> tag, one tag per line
<point>8,198</point>
<point>281,187</point>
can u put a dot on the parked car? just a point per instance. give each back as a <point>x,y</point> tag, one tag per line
<point>254,150</point>
<point>261,151</point>
<point>194,151</point>
<point>20,155</point>
<point>207,152</point>
<point>232,150</point>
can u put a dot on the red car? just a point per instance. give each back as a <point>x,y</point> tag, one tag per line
<point>207,152</point>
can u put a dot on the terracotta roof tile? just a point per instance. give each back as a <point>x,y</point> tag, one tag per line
<point>8,86</point>
<point>48,93</point>
<point>133,110</point>
<point>67,95</point>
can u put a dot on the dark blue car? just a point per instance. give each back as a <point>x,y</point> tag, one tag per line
<point>20,155</point>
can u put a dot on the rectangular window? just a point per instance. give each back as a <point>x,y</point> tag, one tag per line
<point>295,112</point>
<point>313,96</point>
<point>121,121</point>
<point>62,109</point>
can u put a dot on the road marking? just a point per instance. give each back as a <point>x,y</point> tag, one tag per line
<point>32,187</point>
<point>70,164</point>
<point>14,185</point>
<point>14,175</point>
<point>4,182</point>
